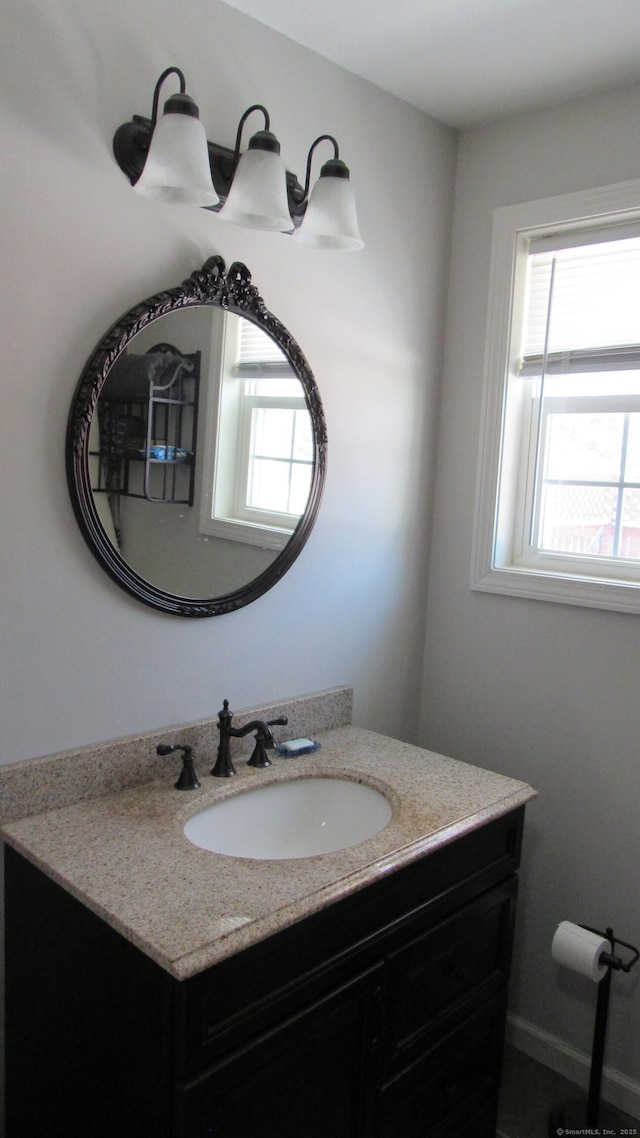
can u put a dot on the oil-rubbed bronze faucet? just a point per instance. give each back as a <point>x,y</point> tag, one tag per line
<point>224,767</point>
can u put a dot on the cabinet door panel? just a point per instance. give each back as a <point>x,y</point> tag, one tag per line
<point>311,1076</point>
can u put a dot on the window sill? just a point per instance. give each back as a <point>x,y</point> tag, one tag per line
<point>231,530</point>
<point>559,588</point>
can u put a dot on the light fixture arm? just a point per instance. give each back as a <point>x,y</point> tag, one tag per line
<point>336,157</point>
<point>245,116</point>
<point>156,93</point>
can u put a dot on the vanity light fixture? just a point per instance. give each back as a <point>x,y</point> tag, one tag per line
<point>169,158</point>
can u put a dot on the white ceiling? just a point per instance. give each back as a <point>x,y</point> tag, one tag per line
<point>469,61</point>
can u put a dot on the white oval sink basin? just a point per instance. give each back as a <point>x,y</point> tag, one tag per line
<point>291,819</point>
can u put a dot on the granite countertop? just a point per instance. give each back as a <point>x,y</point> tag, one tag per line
<point>125,856</point>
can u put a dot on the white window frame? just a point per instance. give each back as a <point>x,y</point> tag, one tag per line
<point>495,567</point>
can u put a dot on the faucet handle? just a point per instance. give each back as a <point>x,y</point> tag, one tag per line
<point>281,721</point>
<point>265,741</point>
<point>188,779</point>
<point>259,756</point>
<point>224,715</point>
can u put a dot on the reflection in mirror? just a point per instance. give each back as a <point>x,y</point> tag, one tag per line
<point>259,459</point>
<point>202,449</point>
<point>203,461</point>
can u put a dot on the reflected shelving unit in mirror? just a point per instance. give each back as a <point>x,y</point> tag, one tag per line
<point>143,438</point>
<point>196,476</point>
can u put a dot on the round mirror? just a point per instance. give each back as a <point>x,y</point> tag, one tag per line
<point>196,447</point>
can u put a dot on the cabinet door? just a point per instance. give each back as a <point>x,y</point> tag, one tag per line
<point>311,1076</point>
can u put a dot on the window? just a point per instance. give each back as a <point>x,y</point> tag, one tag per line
<point>558,512</point>
<point>258,476</point>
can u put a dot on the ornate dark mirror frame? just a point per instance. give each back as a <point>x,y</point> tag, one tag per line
<point>234,292</point>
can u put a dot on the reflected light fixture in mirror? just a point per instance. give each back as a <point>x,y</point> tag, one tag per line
<point>252,189</point>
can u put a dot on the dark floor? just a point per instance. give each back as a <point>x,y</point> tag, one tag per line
<point>529,1091</point>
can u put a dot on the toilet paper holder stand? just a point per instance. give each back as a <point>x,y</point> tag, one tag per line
<point>571,1115</point>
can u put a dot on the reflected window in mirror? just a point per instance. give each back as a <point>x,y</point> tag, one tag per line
<point>258,462</point>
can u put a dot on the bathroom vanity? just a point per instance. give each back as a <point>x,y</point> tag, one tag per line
<point>154,988</point>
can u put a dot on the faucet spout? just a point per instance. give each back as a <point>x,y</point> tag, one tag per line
<point>224,767</point>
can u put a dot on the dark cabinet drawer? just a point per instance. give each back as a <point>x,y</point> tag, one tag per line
<point>463,959</point>
<point>447,1086</point>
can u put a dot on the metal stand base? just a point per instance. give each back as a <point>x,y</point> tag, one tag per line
<point>571,1118</point>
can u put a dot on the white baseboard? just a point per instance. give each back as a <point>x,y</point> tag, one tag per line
<point>617,1089</point>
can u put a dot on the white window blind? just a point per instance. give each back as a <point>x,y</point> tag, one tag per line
<point>582,307</point>
<point>259,355</point>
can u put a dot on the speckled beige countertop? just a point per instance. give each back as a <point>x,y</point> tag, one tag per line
<point>125,855</point>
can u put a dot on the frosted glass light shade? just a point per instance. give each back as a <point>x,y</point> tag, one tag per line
<point>330,221</point>
<point>258,195</point>
<point>177,166</point>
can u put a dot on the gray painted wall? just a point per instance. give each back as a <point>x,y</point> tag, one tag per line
<point>79,248</point>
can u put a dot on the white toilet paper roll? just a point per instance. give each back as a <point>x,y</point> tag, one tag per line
<point>578,949</point>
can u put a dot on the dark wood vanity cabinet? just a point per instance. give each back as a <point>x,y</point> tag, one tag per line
<point>382,1016</point>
